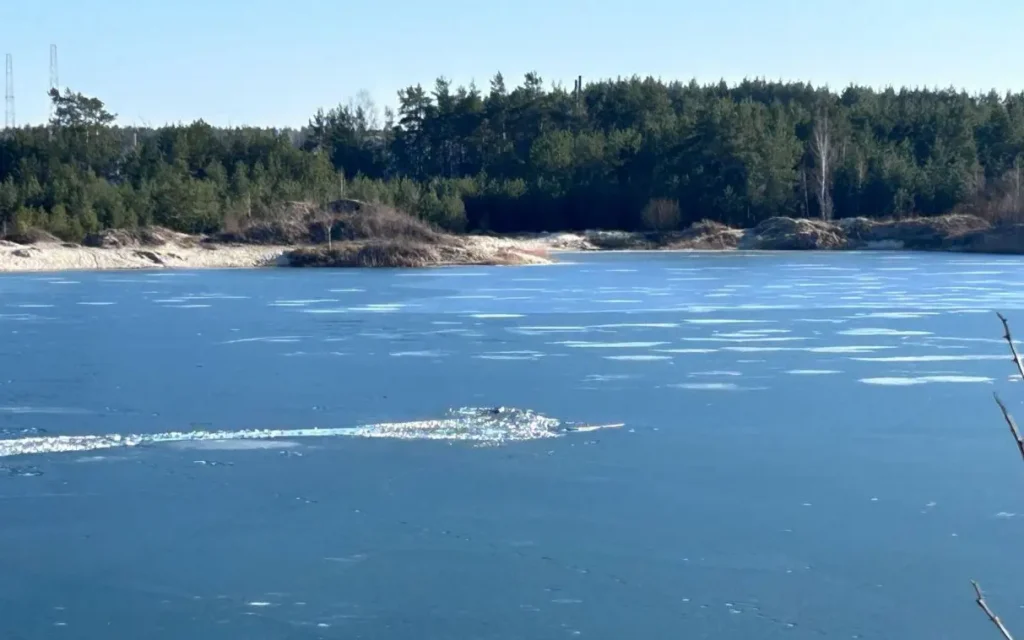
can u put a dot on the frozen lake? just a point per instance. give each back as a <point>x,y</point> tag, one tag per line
<point>809,448</point>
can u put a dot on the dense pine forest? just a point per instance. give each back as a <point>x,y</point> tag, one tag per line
<point>624,154</point>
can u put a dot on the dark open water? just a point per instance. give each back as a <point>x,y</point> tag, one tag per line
<point>810,450</point>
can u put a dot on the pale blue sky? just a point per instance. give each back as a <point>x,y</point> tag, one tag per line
<point>273,63</point>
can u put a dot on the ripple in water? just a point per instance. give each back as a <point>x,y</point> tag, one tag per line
<point>487,425</point>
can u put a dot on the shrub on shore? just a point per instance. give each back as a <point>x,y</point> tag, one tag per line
<point>305,223</point>
<point>382,253</point>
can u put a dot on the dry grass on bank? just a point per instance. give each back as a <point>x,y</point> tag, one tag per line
<point>410,254</point>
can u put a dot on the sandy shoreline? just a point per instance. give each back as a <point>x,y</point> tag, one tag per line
<point>60,257</point>
<point>162,249</point>
<point>56,257</point>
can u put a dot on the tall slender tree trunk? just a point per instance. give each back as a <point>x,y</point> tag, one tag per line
<point>807,195</point>
<point>825,153</point>
<point>1016,191</point>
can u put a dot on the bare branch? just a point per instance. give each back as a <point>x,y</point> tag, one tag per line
<point>988,612</point>
<point>1013,349</point>
<point>1011,423</point>
<point>1020,446</point>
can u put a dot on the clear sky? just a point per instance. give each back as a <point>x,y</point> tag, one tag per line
<point>265,62</point>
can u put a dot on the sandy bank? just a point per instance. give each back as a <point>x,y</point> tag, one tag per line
<point>361,236</point>
<point>402,253</point>
<point>401,243</point>
<point>51,256</point>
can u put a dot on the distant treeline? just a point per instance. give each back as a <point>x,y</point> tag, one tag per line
<point>624,154</point>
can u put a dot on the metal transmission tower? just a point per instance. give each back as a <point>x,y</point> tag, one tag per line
<point>9,94</point>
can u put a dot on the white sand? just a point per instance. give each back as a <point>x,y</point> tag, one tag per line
<point>541,242</point>
<point>59,257</point>
<point>53,256</point>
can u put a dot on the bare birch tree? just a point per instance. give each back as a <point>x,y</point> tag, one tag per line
<point>826,153</point>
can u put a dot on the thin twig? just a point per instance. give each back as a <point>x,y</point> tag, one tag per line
<point>1011,423</point>
<point>1020,368</point>
<point>1013,349</point>
<point>988,612</point>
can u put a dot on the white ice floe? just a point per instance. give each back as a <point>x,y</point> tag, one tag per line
<point>869,331</point>
<point>505,357</point>
<point>724,321</point>
<point>574,344</point>
<point>19,317</point>
<point>896,315</point>
<point>56,411</point>
<point>272,339</point>
<point>716,373</point>
<point>495,316</point>
<point>638,325</point>
<point>510,355</point>
<point>932,358</point>
<point>638,358</point>
<point>300,303</point>
<point>543,330</point>
<point>598,377</point>
<point>707,386</point>
<point>719,337</point>
<point>764,307</point>
<point>906,382</point>
<point>497,425</point>
<point>746,349</point>
<point>812,372</point>
<point>212,296</point>
<point>325,311</point>
<point>853,348</point>
<point>389,307</point>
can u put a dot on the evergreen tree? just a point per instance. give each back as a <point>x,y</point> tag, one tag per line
<point>529,158</point>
